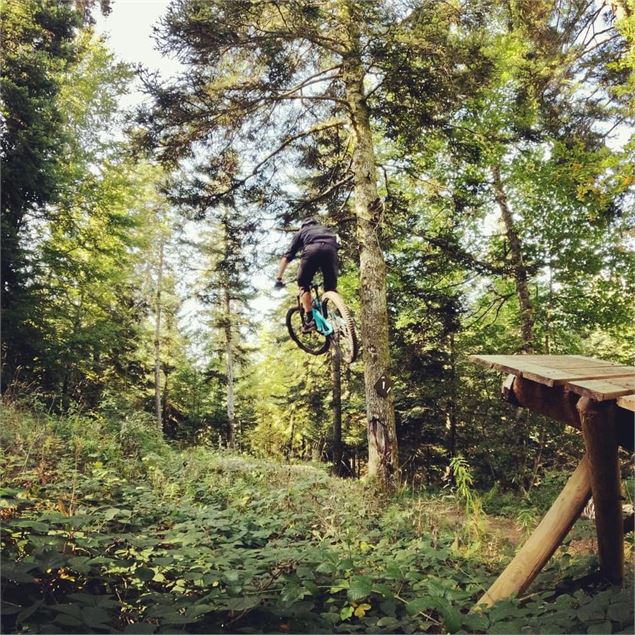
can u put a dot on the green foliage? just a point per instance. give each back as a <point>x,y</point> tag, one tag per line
<point>101,536</point>
<point>454,98</point>
<point>38,45</point>
<point>78,319</point>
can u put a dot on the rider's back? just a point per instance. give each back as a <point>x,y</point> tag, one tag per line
<point>312,234</point>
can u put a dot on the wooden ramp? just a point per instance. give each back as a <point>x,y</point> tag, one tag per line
<point>597,397</point>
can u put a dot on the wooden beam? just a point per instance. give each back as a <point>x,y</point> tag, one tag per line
<point>604,389</point>
<point>545,539</point>
<point>627,402</point>
<point>561,404</point>
<point>600,439</point>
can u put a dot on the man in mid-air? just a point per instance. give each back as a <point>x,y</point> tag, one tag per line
<point>319,251</point>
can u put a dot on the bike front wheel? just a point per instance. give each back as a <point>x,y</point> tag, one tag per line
<point>337,313</point>
<point>312,342</point>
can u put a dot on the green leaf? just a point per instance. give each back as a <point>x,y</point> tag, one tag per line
<point>475,622</point>
<point>80,564</point>
<point>199,609</point>
<point>241,604</point>
<point>112,512</point>
<point>346,612</point>
<point>504,628</point>
<point>68,609</point>
<point>360,587</point>
<point>94,615</point>
<point>231,576</point>
<point>145,574</point>
<point>67,620</point>
<point>621,612</point>
<point>16,573</point>
<point>388,607</point>
<point>31,524</point>
<point>305,572</point>
<point>419,604</point>
<point>436,587</point>
<point>600,628</point>
<point>452,618</point>
<point>393,572</point>
<point>28,611</point>
<point>9,492</point>
<point>326,567</point>
<point>140,627</point>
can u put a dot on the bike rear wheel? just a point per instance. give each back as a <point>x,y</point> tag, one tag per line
<point>337,313</point>
<point>312,342</point>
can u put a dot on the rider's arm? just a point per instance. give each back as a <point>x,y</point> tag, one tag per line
<point>283,265</point>
<point>296,244</point>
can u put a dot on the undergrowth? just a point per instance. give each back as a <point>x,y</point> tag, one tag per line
<point>106,528</point>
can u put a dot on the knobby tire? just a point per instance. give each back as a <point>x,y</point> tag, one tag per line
<point>308,342</point>
<point>337,313</point>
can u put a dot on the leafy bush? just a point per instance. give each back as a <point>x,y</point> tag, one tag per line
<point>201,542</point>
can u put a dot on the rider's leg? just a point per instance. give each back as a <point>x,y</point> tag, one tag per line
<point>328,264</point>
<point>308,266</point>
<point>307,302</point>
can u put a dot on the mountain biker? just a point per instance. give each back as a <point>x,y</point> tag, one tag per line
<point>319,251</point>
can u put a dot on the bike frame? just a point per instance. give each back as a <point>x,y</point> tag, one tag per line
<point>322,325</point>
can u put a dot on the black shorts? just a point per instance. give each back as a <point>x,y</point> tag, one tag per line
<point>316,256</point>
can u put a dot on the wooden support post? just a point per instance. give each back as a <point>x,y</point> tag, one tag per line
<point>598,429</point>
<point>545,539</point>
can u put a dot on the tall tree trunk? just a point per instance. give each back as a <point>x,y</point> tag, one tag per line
<point>157,341</point>
<point>451,411</point>
<point>521,277</point>
<point>548,326</point>
<point>166,426</point>
<point>336,368</point>
<point>229,357</point>
<point>291,435</point>
<point>382,437</point>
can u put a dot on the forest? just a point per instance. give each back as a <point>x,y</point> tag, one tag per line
<point>172,460</point>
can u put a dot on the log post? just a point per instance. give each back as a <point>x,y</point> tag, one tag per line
<point>600,439</point>
<point>545,539</point>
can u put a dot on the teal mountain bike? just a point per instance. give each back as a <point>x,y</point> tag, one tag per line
<point>333,325</point>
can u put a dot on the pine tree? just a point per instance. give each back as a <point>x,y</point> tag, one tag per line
<point>32,143</point>
<point>225,291</point>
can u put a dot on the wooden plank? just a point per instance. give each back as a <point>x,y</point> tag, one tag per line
<point>545,539</point>
<point>600,440</point>
<point>590,359</point>
<point>569,361</point>
<point>603,389</point>
<point>527,366</point>
<point>627,402</point>
<point>516,365</point>
<point>547,361</point>
<point>559,377</point>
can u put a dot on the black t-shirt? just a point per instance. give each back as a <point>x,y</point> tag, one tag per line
<point>309,235</point>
